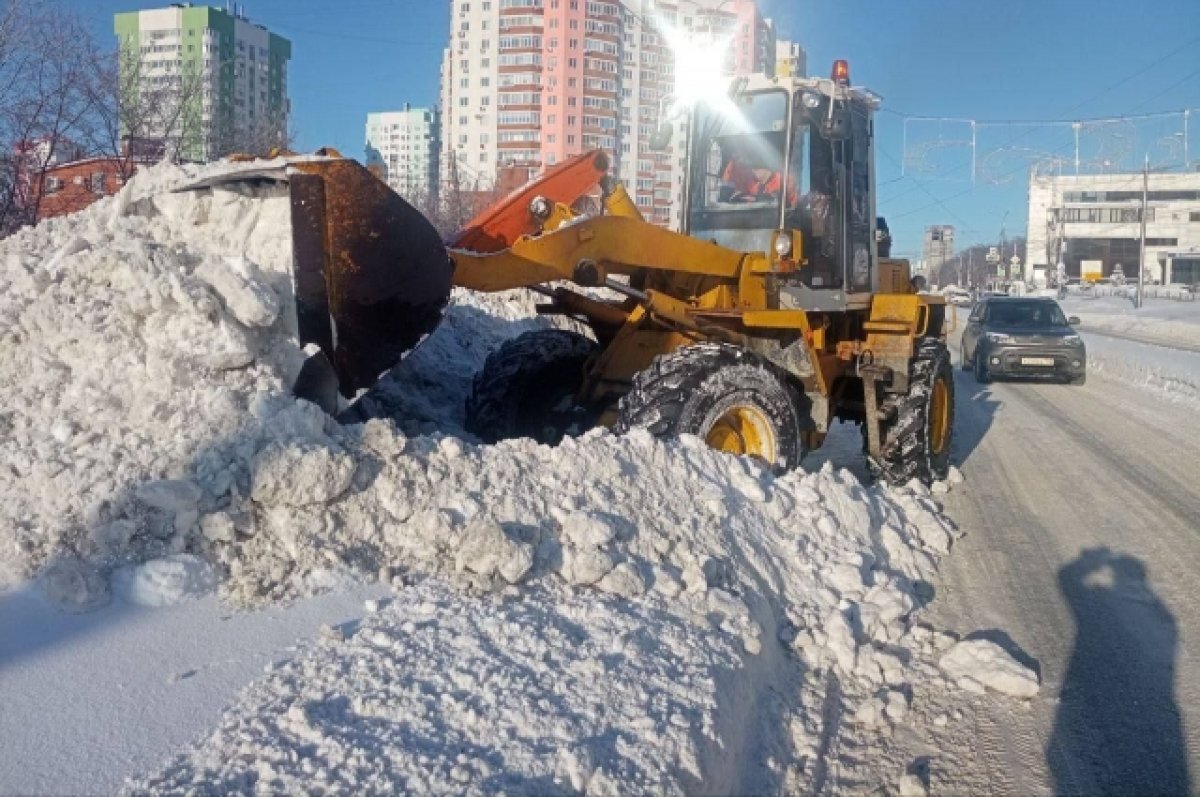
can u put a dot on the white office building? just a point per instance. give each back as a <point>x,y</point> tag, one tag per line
<point>1091,223</point>
<point>402,148</point>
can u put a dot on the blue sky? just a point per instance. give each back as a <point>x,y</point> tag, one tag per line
<point>986,60</point>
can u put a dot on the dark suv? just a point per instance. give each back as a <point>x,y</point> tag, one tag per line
<point>1019,336</point>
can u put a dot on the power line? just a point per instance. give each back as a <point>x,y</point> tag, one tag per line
<point>1174,85</point>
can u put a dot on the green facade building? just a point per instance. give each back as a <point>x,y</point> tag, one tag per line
<point>200,82</point>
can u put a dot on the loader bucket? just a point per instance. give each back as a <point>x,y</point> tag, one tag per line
<point>372,276</point>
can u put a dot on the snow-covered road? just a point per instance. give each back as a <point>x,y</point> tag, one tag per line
<point>1082,542</point>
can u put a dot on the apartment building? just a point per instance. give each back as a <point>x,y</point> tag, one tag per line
<point>202,81</point>
<point>402,148</point>
<point>529,83</point>
<point>937,247</point>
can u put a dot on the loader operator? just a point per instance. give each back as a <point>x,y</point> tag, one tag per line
<point>742,183</point>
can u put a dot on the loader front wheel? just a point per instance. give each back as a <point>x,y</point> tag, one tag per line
<point>917,441</point>
<point>527,388</point>
<point>725,395</point>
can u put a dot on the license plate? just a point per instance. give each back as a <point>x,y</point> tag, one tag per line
<point>1037,361</point>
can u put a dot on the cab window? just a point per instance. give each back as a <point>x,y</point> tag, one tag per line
<point>742,171</point>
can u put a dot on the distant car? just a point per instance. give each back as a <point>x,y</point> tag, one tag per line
<point>1022,336</point>
<point>959,299</point>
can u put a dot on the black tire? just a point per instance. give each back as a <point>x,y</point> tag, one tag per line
<point>1078,380</point>
<point>981,370</point>
<point>910,450</point>
<point>527,388</point>
<point>718,391</point>
<point>963,362</point>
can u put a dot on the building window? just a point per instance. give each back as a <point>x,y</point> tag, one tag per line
<point>98,182</point>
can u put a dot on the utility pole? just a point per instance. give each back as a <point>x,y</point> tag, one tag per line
<point>1007,271</point>
<point>1142,248</point>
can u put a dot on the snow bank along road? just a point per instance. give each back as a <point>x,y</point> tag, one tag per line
<point>1082,542</point>
<point>617,615</point>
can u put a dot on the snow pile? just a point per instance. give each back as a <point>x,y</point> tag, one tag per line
<point>618,614</point>
<point>1171,374</point>
<point>148,341</point>
<point>1156,348</point>
<point>133,334</point>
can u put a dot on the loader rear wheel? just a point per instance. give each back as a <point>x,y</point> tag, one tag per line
<point>917,442</point>
<point>527,388</point>
<point>725,395</point>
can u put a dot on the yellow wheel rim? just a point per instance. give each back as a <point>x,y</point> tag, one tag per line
<point>743,430</point>
<point>939,417</point>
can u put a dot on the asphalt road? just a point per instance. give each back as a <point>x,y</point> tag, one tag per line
<point>1081,511</point>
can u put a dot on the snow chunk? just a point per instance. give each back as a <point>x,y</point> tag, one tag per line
<point>165,582</point>
<point>981,662</point>
<point>623,580</point>
<point>486,549</point>
<point>300,474</point>
<point>246,297</point>
<point>588,529</point>
<point>585,565</point>
<point>170,495</point>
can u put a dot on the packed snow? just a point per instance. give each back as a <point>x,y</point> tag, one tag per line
<point>1160,320</point>
<point>614,615</point>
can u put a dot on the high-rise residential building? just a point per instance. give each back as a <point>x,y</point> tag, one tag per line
<point>202,82</point>
<point>402,147</point>
<point>939,247</point>
<point>530,83</point>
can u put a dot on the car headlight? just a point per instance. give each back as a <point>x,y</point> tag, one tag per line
<point>998,337</point>
<point>1072,340</point>
<point>783,245</point>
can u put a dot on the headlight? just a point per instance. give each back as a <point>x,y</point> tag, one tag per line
<point>997,337</point>
<point>783,245</point>
<point>1072,340</point>
<point>811,100</point>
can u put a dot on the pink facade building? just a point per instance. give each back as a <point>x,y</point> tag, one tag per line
<point>530,83</point>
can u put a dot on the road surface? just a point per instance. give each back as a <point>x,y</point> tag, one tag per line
<point>1081,511</point>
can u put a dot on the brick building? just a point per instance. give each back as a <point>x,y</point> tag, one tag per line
<point>70,187</point>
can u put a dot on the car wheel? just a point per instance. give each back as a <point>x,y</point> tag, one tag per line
<point>1078,380</point>
<point>963,362</point>
<point>981,371</point>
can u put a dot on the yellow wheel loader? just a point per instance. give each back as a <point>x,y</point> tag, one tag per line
<point>773,313</point>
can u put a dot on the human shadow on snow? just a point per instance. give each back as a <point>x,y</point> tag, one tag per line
<point>1118,729</point>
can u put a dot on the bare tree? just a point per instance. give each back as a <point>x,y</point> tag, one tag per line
<point>144,108</point>
<point>270,130</point>
<point>46,57</point>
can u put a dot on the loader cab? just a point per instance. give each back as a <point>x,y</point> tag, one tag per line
<point>789,154</point>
